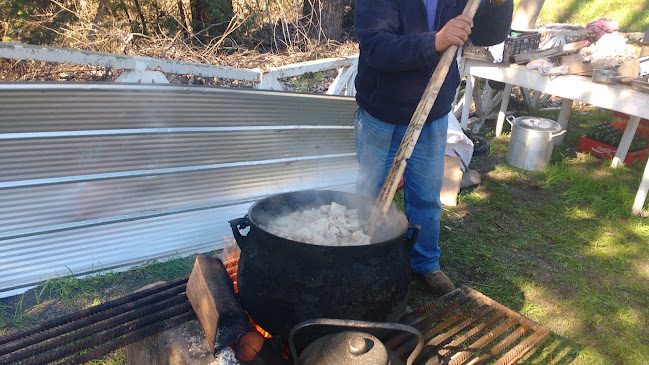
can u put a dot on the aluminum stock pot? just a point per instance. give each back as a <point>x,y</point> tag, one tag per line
<point>531,142</point>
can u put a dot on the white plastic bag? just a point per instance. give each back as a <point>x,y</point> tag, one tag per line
<point>457,143</point>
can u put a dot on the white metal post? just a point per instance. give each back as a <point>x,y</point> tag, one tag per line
<point>468,94</point>
<point>564,116</point>
<point>503,109</point>
<point>625,143</point>
<point>641,196</point>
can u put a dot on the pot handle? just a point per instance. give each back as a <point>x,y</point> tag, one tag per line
<point>358,324</point>
<point>558,134</point>
<point>510,119</point>
<point>416,229</point>
<point>236,224</point>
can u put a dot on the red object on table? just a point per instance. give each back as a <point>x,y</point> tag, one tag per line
<point>600,149</point>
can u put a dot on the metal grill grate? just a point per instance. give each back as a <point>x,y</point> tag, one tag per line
<point>467,327</point>
<point>462,327</point>
<point>96,331</point>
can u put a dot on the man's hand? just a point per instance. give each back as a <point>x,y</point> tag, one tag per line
<point>454,33</point>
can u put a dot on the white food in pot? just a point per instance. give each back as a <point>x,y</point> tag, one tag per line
<point>329,225</point>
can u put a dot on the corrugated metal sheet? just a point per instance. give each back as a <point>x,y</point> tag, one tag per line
<point>96,177</point>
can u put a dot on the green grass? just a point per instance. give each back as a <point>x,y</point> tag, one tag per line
<point>560,247</point>
<point>631,15</point>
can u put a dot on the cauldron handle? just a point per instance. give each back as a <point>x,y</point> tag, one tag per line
<point>235,224</point>
<point>416,229</point>
<point>358,324</point>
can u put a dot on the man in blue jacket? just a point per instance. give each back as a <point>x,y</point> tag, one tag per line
<point>401,42</point>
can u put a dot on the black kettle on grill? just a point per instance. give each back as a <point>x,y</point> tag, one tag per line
<point>351,347</point>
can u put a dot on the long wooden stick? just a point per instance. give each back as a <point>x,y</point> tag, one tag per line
<point>414,130</point>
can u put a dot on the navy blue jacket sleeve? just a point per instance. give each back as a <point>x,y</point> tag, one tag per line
<point>377,26</point>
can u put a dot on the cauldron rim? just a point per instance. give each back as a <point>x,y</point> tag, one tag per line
<point>396,231</point>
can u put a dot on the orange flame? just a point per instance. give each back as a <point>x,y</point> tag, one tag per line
<point>231,251</point>
<point>261,330</point>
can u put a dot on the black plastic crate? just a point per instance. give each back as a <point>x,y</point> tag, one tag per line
<point>520,43</point>
<point>515,44</point>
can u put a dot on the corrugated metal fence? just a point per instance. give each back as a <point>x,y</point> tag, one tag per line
<point>97,177</point>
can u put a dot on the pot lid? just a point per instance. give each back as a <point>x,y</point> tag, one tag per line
<point>537,124</point>
<point>349,348</point>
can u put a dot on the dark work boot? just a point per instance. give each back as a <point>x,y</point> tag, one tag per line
<point>438,283</point>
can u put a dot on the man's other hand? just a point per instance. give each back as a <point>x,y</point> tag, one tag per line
<point>454,33</point>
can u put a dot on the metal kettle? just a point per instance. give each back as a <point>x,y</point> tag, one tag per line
<point>351,347</point>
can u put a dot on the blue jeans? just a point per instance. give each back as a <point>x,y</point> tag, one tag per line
<point>376,145</point>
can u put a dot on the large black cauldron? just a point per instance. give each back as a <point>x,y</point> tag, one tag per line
<point>283,282</point>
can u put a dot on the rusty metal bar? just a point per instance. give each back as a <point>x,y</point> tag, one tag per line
<point>526,322</point>
<point>445,299</point>
<point>232,263</point>
<point>95,328</point>
<point>474,331</point>
<point>500,346</point>
<point>404,348</point>
<point>522,348</point>
<point>121,330</point>
<point>113,310</point>
<point>92,310</point>
<point>441,338</point>
<point>452,319</point>
<point>434,343</point>
<point>394,340</point>
<point>127,340</point>
<point>462,356</point>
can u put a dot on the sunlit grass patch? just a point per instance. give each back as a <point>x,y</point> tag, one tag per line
<point>630,15</point>
<point>503,172</point>
<point>591,356</point>
<point>532,311</point>
<point>473,197</point>
<point>579,212</point>
<point>561,247</point>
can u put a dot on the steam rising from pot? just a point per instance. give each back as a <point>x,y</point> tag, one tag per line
<point>327,223</point>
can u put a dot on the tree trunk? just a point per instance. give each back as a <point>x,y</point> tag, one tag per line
<point>142,20</point>
<point>185,23</point>
<point>325,18</point>
<point>206,13</point>
<point>526,14</point>
<point>91,37</point>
